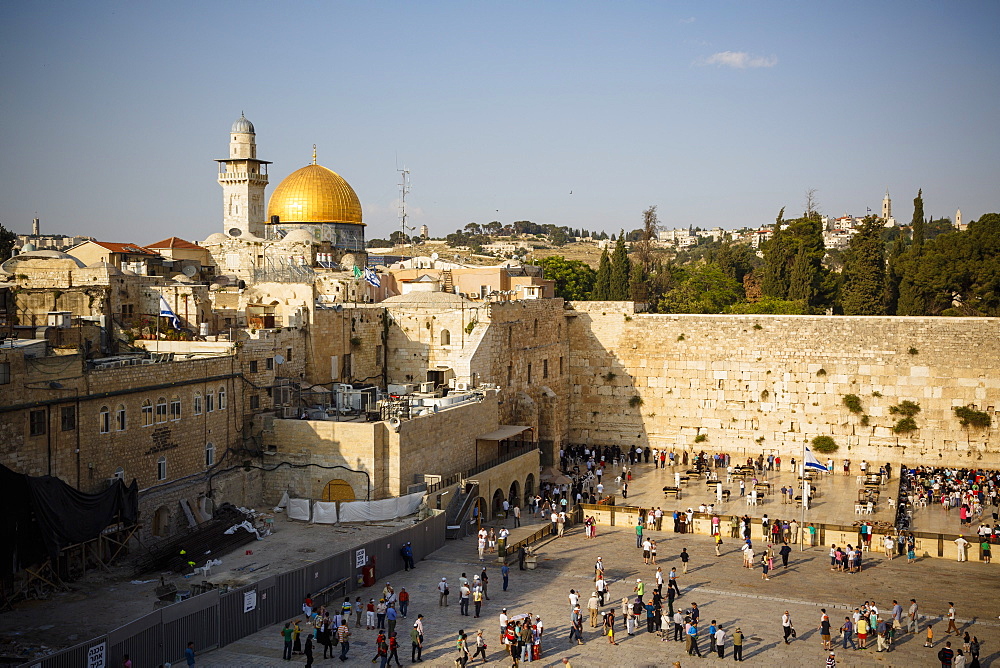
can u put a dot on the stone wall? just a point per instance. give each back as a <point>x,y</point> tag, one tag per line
<point>753,384</point>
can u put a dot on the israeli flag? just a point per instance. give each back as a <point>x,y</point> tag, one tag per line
<point>372,277</point>
<point>811,463</point>
<point>166,312</point>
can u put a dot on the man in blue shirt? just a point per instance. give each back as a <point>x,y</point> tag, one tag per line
<point>505,572</point>
<point>189,654</point>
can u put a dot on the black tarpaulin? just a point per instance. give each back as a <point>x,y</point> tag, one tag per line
<point>44,514</point>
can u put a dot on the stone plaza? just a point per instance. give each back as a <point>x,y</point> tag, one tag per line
<point>722,588</point>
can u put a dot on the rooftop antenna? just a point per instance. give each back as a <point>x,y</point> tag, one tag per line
<point>404,189</point>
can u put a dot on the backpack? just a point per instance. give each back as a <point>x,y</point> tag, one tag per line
<point>637,608</point>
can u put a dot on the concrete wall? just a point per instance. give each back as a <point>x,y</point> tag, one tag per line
<point>769,383</point>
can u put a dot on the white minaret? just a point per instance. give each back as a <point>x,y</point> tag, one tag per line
<point>958,221</point>
<point>243,178</point>
<point>887,209</point>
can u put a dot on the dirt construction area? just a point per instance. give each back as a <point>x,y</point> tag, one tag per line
<point>101,601</point>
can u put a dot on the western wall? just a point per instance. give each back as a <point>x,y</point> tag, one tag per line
<point>768,383</point>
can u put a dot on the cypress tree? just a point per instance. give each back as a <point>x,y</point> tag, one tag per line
<point>602,284</point>
<point>864,272</point>
<point>620,270</point>
<point>917,222</point>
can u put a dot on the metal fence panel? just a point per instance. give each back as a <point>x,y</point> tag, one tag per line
<point>267,612</point>
<point>194,620</point>
<point>141,639</point>
<point>74,657</point>
<point>238,614</point>
<point>289,591</point>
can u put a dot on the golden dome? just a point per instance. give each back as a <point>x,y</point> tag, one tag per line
<point>315,194</point>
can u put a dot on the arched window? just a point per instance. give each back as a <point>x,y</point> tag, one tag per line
<point>197,403</point>
<point>120,473</point>
<point>209,453</point>
<point>175,408</point>
<point>223,401</point>
<point>445,337</point>
<point>120,418</point>
<point>209,401</point>
<point>161,468</point>
<point>105,420</point>
<point>161,410</point>
<point>147,413</point>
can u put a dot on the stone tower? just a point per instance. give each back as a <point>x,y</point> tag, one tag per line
<point>958,221</point>
<point>887,207</point>
<point>243,178</point>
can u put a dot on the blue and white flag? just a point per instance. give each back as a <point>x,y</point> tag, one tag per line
<point>166,312</point>
<point>372,277</point>
<point>811,463</point>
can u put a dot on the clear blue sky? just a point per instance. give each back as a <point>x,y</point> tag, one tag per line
<point>719,113</point>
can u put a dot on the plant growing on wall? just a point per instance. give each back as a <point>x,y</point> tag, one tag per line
<point>355,341</point>
<point>865,420</point>
<point>821,373</point>
<point>764,395</point>
<point>912,351</point>
<point>609,376</point>
<point>853,403</point>
<point>824,444</point>
<point>701,438</point>
<point>680,338</point>
<point>471,326</point>
<point>635,401</point>
<point>970,417</point>
<point>907,409</point>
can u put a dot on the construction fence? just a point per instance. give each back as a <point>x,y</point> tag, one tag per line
<point>213,619</point>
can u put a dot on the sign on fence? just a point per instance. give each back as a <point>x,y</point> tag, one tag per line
<point>359,558</point>
<point>249,601</point>
<point>97,656</point>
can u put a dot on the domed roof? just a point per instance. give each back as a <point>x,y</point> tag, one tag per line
<point>215,238</point>
<point>315,194</point>
<point>299,237</point>
<point>242,125</point>
<point>28,247</point>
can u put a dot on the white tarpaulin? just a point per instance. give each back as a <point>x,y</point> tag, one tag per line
<point>376,511</point>
<point>325,512</point>
<point>298,509</point>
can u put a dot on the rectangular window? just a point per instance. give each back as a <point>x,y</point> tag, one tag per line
<point>560,366</point>
<point>121,418</point>
<point>4,373</point>
<point>147,414</point>
<point>254,402</point>
<point>209,402</point>
<point>378,355</point>
<point>529,374</point>
<point>510,374</point>
<point>253,366</point>
<point>269,363</point>
<point>161,412</point>
<point>161,469</point>
<point>68,418</point>
<point>105,420</point>
<point>197,403</point>
<point>288,357</point>
<point>36,423</point>
<point>223,401</point>
<point>175,409</point>
<point>545,368</point>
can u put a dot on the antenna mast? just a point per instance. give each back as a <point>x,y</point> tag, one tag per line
<point>404,189</point>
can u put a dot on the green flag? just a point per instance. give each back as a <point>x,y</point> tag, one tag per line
<point>357,272</point>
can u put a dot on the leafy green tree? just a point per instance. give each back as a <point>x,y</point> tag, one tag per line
<point>770,305</point>
<point>574,279</point>
<point>706,289</point>
<point>735,260</point>
<point>7,240</point>
<point>894,274</point>
<point>620,270</point>
<point>558,237</point>
<point>864,272</point>
<point>602,281</point>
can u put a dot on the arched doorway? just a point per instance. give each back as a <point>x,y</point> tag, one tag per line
<point>514,496</point>
<point>338,490</point>
<point>529,488</point>
<point>161,521</point>
<point>497,505</point>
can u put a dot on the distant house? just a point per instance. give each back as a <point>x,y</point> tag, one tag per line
<point>125,256</point>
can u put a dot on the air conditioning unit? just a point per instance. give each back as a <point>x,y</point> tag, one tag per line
<point>461,386</point>
<point>427,387</point>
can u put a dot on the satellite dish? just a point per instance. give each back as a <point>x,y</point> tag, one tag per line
<point>278,359</point>
<point>235,231</point>
<point>189,271</point>
<point>434,256</point>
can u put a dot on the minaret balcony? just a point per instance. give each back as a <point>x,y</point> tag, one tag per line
<point>240,177</point>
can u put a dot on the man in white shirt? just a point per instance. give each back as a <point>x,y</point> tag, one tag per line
<point>574,598</point>
<point>961,544</point>
<point>720,642</point>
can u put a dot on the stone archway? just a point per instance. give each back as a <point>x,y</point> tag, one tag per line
<point>161,521</point>
<point>338,490</point>
<point>496,506</point>
<point>514,495</point>
<point>529,488</point>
